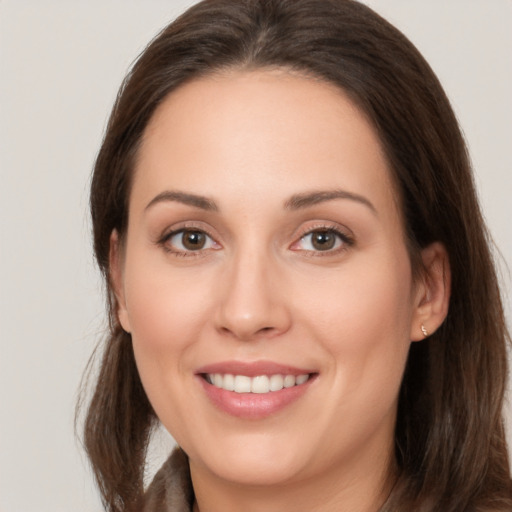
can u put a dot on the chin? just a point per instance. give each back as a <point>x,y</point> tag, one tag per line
<point>259,472</point>
<point>254,462</point>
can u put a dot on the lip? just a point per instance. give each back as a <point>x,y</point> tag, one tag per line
<point>252,405</point>
<point>253,369</point>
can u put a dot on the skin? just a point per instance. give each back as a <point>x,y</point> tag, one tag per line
<point>259,290</point>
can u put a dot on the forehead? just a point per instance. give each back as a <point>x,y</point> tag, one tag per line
<point>262,131</point>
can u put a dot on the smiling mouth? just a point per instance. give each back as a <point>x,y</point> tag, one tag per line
<point>260,384</point>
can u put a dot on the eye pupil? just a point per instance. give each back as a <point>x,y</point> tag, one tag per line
<point>323,240</point>
<point>193,240</point>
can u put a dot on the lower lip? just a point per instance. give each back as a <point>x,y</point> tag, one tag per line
<point>253,405</point>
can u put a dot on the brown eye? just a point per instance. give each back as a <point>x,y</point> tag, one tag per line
<point>189,240</point>
<point>193,240</point>
<point>323,240</point>
<point>319,240</point>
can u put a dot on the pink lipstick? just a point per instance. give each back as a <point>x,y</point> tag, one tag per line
<point>254,390</point>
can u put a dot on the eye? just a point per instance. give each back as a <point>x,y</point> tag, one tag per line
<point>322,240</point>
<point>189,240</point>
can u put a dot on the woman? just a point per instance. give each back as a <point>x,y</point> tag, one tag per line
<point>300,284</point>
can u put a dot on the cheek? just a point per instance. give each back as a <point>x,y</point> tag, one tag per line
<point>167,310</point>
<point>163,305</point>
<point>364,330</point>
<point>363,318</point>
<point>166,313</point>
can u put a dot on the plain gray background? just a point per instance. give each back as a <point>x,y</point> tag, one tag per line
<point>61,63</point>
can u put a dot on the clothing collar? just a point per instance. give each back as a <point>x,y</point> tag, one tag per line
<point>171,489</point>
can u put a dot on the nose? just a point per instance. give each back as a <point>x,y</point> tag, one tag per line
<point>252,303</point>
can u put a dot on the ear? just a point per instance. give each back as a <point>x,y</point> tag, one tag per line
<point>117,280</point>
<point>432,294</point>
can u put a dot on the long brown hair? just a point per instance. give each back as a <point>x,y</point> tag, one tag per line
<point>450,443</point>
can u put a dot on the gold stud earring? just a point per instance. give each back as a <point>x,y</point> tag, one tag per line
<point>424,330</point>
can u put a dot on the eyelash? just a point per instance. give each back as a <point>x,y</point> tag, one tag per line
<point>344,238</point>
<point>164,241</point>
<point>346,241</point>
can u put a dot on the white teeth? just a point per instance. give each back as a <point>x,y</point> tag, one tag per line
<point>228,382</point>
<point>242,384</point>
<point>289,381</point>
<point>276,382</point>
<point>260,384</point>
<point>300,379</point>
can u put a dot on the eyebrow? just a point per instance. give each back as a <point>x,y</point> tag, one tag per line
<point>296,202</point>
<point>194,200</point>
<point>305,200</point>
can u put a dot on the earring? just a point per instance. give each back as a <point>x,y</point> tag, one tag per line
<point>424,330</point>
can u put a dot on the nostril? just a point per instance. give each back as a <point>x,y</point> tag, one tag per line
<point>248,321</point>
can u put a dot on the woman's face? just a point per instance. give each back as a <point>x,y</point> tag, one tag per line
<point>265,249</point>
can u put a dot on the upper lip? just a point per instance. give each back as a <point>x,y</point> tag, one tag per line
<point>252,369</point>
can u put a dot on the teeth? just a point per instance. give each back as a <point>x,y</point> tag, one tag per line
<point>289,381</point>
<point>228,382</point>
<point>242,384</point>
<point>260,384</point>
<point>276,382</point>
<point>300,379</point>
